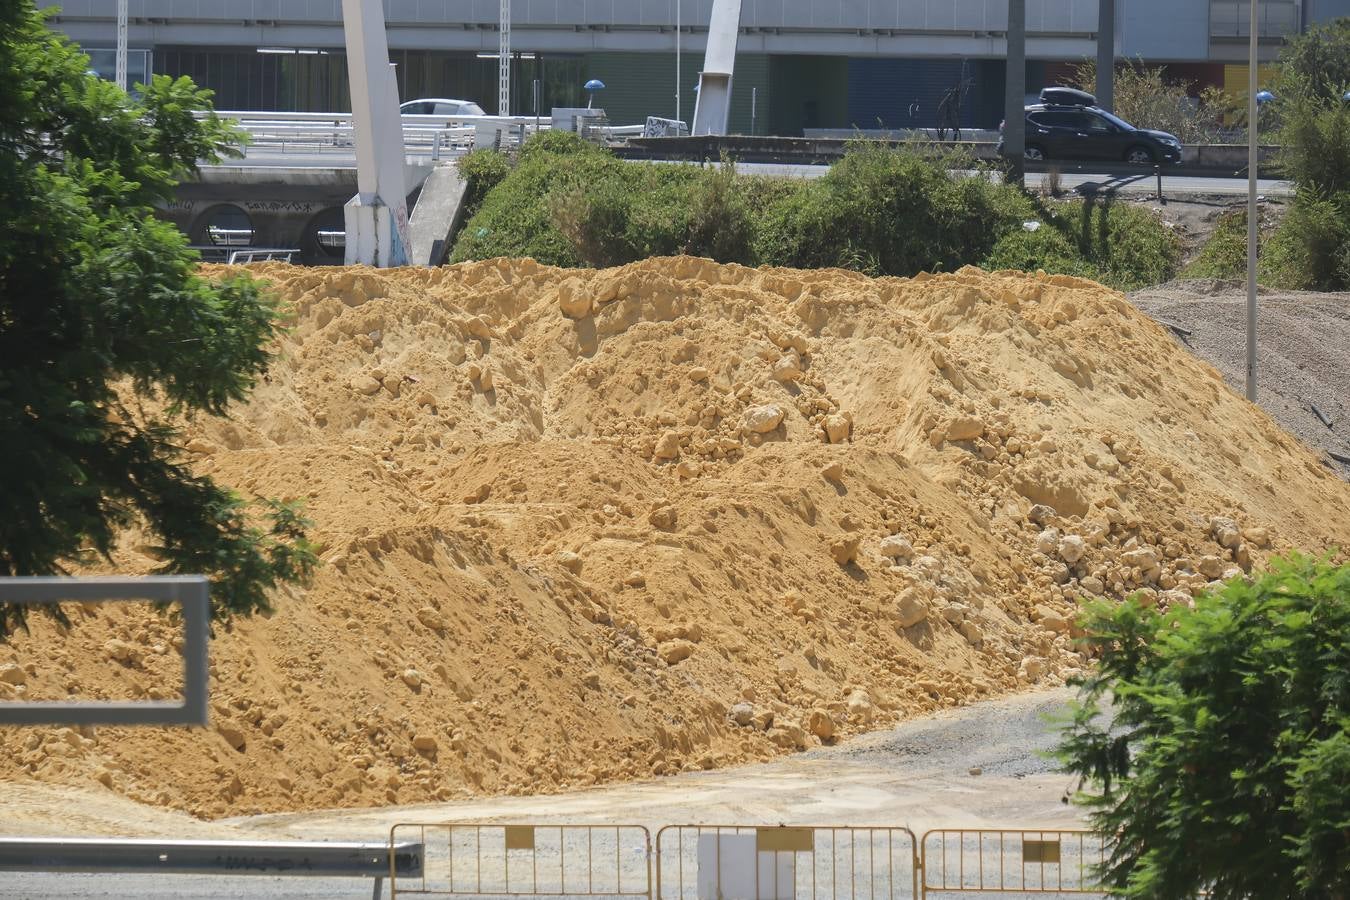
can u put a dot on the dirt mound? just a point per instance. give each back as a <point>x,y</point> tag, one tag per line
<point>589,526</point>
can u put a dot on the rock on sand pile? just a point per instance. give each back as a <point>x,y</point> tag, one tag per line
<point>587,526</point>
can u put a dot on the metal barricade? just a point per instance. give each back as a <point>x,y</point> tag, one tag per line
<point>694,862</point>
<point>473,860</point>
<point>1031,861</point>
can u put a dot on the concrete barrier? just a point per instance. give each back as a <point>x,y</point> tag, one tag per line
<point>1217,160</point>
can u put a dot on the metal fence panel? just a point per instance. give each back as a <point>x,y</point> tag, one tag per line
<point>190,591</point>
<point>709,862</point>
<point>466,859</point>
<point>1031,861</point>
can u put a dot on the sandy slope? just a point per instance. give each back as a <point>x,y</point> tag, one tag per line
<point>584,527</point>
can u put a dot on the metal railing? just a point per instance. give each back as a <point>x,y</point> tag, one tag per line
<point>1031,861</point>
<point>430,137</point>
<point>191,592</point>
<point>783,863</point>
<point>224,858</point>
<point>476,860</point>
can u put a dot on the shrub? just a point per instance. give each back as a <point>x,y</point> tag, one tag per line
<point>1309,250</point>
<point>1046,249</point>
<point>720,223</point>
<point>879,211</point>
<point>482,170</point>
<point>612,212</point>
<point>1316,64</point>
<point>1315,145</point>
<point>514,218</point>
<point>1130,245</point>
<point>889,212</point>
<point>1147,98</point>
<point>1224,254</point>
<point>1225,767</point>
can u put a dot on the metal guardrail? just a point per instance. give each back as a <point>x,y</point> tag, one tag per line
<point>556,861</point>
<point>233,858</point>
<point>191,592</point>
<point>433,137</point>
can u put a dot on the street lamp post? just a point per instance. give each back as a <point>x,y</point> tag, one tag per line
<point>1014,98</point>
<point>1252,113</point>
<point>677,61</point>
<point>120,63</point>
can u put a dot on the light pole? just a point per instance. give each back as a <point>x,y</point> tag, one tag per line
<point>677,62</point>
<point>120,75</point>
<point>1014,98</point>
<point>504,59</point>
<point>1252,113</point>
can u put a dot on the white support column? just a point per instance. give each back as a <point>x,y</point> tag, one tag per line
<point>712,107</point>
<point>121,73</point>
<point>377,217</point>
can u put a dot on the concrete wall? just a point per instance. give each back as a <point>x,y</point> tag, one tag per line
<point>1325,10</point>
<point>1058,16</point>
<point>1057,28</point>
<point>1162,30</point>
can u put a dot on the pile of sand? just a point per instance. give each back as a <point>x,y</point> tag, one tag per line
<point>587,526</point>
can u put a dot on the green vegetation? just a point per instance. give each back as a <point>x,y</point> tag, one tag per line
<point>97,294</point>
<point>1224,254</point>
<point>1312,247</point>
<point>879,211</point>
<point>1147,97</point>
<point>1226,765</point>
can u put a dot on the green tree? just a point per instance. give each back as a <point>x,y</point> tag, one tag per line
<point>1226,766</point>
<point>1316,64</point>
<point>99,300</point>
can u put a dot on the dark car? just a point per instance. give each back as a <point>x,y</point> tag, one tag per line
<point>1067,124</point>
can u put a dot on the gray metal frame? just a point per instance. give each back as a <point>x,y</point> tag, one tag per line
<point>191,592</point>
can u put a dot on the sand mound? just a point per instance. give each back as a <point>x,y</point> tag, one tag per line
<point>587,526</point>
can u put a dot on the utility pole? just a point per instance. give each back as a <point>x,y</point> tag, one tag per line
<point>1014,98</point>
<point>1252,212</point>
<point>1106,54</point>
<point>121,74</point>
<point>504,61</point>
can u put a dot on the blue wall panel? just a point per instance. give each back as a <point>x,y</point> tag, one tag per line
<point>906,93</point>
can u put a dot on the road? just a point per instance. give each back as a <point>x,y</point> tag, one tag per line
<point>916,775</point>
<point>1175,181</point>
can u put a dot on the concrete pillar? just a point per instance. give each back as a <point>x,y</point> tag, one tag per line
<point>377,217</point>
<point>1106,54</point>
<point>1014,98</point>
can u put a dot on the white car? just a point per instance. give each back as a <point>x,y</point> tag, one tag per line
<point>439,106</point>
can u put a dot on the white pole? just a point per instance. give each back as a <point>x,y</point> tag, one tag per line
<point>121,74</point>
<point>677,60</point>
<point>504,61</point>
<point>1252,113</point>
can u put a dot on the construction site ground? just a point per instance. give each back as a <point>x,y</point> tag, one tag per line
<point>623,542</point>
<point>917,775</point>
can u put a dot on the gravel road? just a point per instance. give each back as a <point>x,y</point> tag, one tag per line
<point>1301,351</point>
<point>918,775</point>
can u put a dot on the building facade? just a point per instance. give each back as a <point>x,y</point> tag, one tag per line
<point>801,64</point>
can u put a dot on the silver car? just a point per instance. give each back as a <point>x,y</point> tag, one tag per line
<point>439,106</point>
